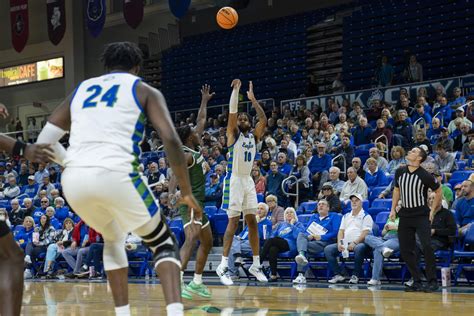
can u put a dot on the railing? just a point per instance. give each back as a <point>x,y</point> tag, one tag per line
<point>417,124</point>
<point>283,188</point>
<point>385,151</point>
<point>442,117</point>
<point>343,160</point>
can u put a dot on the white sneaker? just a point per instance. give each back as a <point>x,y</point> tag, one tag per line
<point>223,273</point>
<point>387,252</point>
<point>301,260</point>
<point>336,279</point>
<point>409,282</point>
<point>374,282</point>
<point>27,274</point>
<point>300,279</point>
<point>354,280</point>
<point>28,259</point>
<point>257,272</point>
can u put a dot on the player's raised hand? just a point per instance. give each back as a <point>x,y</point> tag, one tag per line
<point>250,94</point>
<point>39,153</point>
<point>193,204</point>
<point>236,84</point>
<point>3,111</point>
<point>206,94</point>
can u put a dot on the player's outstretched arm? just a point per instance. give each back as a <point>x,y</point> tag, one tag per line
<point>232,128</point>
<point>206,95</point>
<point>262,118</point>
<point>157,112</point>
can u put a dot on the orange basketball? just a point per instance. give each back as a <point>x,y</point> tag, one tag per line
<point>227,18</point>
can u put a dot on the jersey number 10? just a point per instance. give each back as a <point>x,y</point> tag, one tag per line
<point>247,156</point>
<point>109,97</point>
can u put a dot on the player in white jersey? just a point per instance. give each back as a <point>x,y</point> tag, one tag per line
<point>239,189</point>
<point>106,118</point>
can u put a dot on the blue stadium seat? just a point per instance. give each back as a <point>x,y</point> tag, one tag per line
<point>260,198</point>
<point>374,193</point>
<point>457,176</point>
<point>382,203</point>
<point>459,254</point>
<point>304,218</point>
<point>219,223</point>
<point>381,219</point>
<point>307,207</point>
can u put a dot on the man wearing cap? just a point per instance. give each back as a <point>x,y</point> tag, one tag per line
<point>327,193</point>
<point>9,169</point>
<point>353,185</point>
<point>31,188</point>
<point>355,226</point>
<point>411,187</point>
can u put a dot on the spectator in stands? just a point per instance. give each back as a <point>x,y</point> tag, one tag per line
<point>346,149</point>
<point>465,208</point>
<point>421,139</point>
<point>46,186</point>
<point>458,194</point>
<point>23,175</point>
<point>275,212</point>
<point>53,175</point>
<point>466,135</point>
<point>12,191</point>
<point>413,71</point>
<point>17,214</point>
<point>334,180</point>
<point>421,114</point>
<point>284,166</point>
<point>434,133</point>
<point>337,85</point>
<point>328,194</point>
<point>320,231</point>
<point>63,241</point>
<point>384,73</point>
<point>354,185</point>
<point>265,162</point>
<point>443,227</point>
<point>290,154</point>
<point>271,147</point>
<point>456,131</point>
<point>357,165</point>
<point>356,112</point>
<point>375,110</point>
<point>470,109</point>
<point>444,161</point>
<point>374,177</point>
<point>39,244</point>
<point>382,130</point>
<point>319,166</point>
<point>405,105</point>
<point>259,180</point>
<point>447,193</point>
<point>303,175</point>
<point>40,211</point>
<point>355,226</point>
<point>444,140</point>
<point>153,174</point>
<point>362,133</point>
<point>240,244</point>
<point>163,169</point>
<point>398,158</point>
<point>445,109</point>
<point>404,129</point>
<point>31,188</point>
<point>342,122</point>
<point>468,151</point>
<point>274,180</point>
<point>39,175</point>
<point>29,207</point>
<point>24,235</point>
<point>62,212</point>
<point>283,238</point>
<point>382,163</point>
<point>457,100</point>
<point>50,212</point>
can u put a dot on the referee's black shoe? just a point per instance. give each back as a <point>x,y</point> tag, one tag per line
<point>432,286</point>
<point>415,287</point>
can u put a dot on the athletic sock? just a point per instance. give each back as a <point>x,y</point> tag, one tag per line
<point>225,261</point>
<point>175,309</point>
<point>197,279</point>
<point>182,275</point>
<point>256,261</point>
<point>123,310</point>
<point>302,253</point>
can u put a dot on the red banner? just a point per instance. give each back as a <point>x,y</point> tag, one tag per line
<point>19,23</point>
<point>56,16</point>
<point>133,12</point>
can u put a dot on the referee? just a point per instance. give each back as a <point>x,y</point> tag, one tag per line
<point>411,187</point>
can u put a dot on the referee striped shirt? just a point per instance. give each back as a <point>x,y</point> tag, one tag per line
<point>413,188</point>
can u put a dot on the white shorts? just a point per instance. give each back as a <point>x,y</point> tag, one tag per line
<point>113,203</point>
<point>239,196</point>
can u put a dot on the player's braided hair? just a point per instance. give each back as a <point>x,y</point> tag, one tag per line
<point>121,55</point>
<point>184,132</point>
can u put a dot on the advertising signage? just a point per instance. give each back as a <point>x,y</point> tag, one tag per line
<point>33,72</point>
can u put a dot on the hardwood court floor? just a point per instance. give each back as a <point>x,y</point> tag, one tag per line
<point>88,299</point>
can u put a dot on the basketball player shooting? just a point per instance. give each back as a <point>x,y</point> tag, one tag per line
<point>106,118</point>
<point>239,189</point>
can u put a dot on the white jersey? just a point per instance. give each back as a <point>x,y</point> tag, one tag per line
<point>242,155</point>
<point>107,124</point>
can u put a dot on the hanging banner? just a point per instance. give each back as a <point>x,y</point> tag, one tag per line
<point>56,16</point>
<point>133,12</point>
<point>95,15</point>
<point>19,23</point>
<point>179,7</point>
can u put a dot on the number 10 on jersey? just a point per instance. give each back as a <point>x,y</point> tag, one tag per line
<point>247,156</point>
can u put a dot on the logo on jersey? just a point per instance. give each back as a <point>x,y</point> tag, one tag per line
<point>247,146</point>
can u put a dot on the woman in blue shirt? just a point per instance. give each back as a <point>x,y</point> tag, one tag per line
<point>24,235</point>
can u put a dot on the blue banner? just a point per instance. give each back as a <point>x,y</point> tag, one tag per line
<point>387,94</point>
<point>95,14</point>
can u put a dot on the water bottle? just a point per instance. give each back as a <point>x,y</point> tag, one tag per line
<point>147,275</point>
<point>36,235</point>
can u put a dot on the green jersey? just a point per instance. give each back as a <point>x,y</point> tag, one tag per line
<point>196,174</point>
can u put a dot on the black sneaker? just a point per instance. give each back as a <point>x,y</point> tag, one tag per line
<point>431,287</point>
<point>70,276</point>
<point>416,287</point>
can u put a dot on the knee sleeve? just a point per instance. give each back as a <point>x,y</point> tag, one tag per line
<point>158,237</point>
<point>115,256</point>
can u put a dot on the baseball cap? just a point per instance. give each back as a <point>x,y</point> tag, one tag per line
<point>357,195</point>
<point>31,178</point>
<point>327,186</point>
<point>459,109</point>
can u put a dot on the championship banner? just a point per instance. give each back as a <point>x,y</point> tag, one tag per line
<point>19,23</point>
<point>179,7</point>
<point>133,12</point>
<point>95,15</point>
<point>56,16</point>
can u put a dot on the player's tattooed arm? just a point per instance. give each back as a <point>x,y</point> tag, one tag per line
<point>262,118</point>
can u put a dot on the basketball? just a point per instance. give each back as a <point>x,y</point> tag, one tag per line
<point>227,18</point>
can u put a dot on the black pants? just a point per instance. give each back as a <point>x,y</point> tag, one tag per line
<point>271,249</point>
<point>408,228</point>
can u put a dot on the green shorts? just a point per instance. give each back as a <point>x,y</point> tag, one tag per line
<point>183,211</point>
